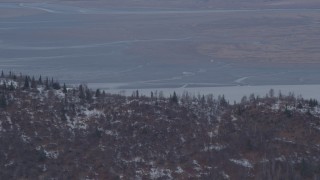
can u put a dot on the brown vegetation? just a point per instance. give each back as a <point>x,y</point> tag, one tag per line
<point>48,131</point>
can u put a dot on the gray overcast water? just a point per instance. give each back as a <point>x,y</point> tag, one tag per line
<point>156,48</point>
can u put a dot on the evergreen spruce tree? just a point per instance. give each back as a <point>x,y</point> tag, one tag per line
<point>81,92</point>
<point>313,103</point>
<point>88,95</point>
<point>174,98</point>
<point>4,85</point>
<point>306,169</point>
<point>51,83</point>
<point>46,83</point>
<point>203,100</point>
<point>64,90</point>
<point>26,83</point>
<point>223,101</point>
<point>3,101</point>
<point>98,93</point>
<point>2,74</point>
<point>56,86</point>
<point>11,87</point>
<point>33,83</point>
<point>288,112</point>
<point>40,80</point>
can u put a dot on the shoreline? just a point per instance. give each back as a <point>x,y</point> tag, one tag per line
<point>231,93</point>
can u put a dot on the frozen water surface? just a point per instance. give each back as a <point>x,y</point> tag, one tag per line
<point>138,48</point>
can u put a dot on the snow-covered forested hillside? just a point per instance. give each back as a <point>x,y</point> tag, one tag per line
<point>52,131</point>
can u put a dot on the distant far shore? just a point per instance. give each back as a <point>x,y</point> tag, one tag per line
<point>232,93</point>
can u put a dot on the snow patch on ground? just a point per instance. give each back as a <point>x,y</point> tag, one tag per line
<point>48,154</point>
<point>215,132</point>
<point>233,118</point>
<point>59,94</point>
<point>242,162</point>
<point>9,163</point>
<point>225,175</point>
<point>197,165</point>
<point>111,133</point>
<point>179,170</point>
<point>134,160</point>
<point>275,106</point>
<point>284,140</point>
<point>1,128</point>
<point>216,147</point>
<point>51,154</point>
<point>210,134</point>
<point>264,160</point>
<point>25,138</point>
<point>9,121</point>
<point>8,82</point>
<point>76,123</point>
<point>156,173</point>
<point>91,113</point>
<point>40,89</point>
<point>44,168</point>
<point>182,139</point>
<point>281,158</point>
<point>315,111</point>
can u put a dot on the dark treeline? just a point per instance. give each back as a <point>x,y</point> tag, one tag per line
<point>24,82</point>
